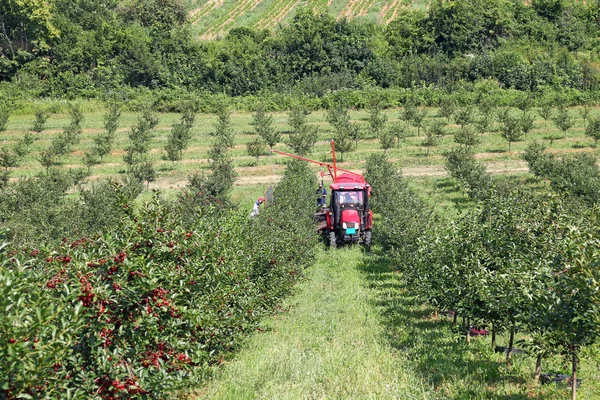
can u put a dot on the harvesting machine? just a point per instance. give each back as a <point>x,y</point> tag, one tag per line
<point>348,218</point>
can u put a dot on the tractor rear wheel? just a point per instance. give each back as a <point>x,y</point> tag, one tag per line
<point>332,240</point>
<point>368,240</point>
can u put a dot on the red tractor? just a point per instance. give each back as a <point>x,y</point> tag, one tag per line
<point>348,218</point>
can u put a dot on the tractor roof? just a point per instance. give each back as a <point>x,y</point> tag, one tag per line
<point>349,181</point>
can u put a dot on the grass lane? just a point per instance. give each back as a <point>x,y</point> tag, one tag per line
<point>330,344</point>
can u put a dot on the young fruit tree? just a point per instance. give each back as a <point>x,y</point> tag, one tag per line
<point>103,143</point>
<point>73,130</point>
<point>467,137</point>
<point>418,119</point>
<point>431,139</point>
<point>224,132</point>
<point>143,172</point>
<point>524,103</point>
<point>526,122</point>
<point>180,137</point>
<point>593,129</point>
<point>338,116</point>
<point>8,160</point>
<point>409,111</point>
<point>511,129</point>
<point>256,148</point>
<point>546,112</point>
<point>23,145</point>
<point>447,108</point>
<point>140,137</point>
<point>263,127</point>
<point>387,139</point>
<point>463,116</point>
<point>377,119</point>
<point>470,174</point>
<point>90,158</point>
<point>486,106</point>
<point>343,139</point>
<point>41,117</point>
<point>564,120</point>
<point>4,115</point>
<point>483,123</point>
<point>302,136</point>
<point>49,158</point>
<point>585,113</point>
<point>399,130</point>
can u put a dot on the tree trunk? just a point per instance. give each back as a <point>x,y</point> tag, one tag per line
<point>510,345</point>
<point>574,377</point>
<point>455,318</point>
<point>435,312</point>
<point>493,336</point>
<point>538,368</point>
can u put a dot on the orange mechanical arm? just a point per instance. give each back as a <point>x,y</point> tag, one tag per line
<point>331,168</point>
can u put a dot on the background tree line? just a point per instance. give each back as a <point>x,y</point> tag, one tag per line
<point>74,48</point>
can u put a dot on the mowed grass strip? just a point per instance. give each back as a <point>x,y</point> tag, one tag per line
<point>330,344</point>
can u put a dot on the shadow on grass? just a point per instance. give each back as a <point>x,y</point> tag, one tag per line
<point>497,150</point>
<point>580,145</point>
<point>448,186</point>
<point>462,200</point>
<point>435,347</point>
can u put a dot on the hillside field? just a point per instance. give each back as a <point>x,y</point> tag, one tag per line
<point>214,18</point>
<point>415,160</point>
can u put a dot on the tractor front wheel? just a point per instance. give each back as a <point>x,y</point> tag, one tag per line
<point>332,240</point>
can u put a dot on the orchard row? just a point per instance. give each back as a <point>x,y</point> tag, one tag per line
<point>153,296</point>
<point>519,261</point>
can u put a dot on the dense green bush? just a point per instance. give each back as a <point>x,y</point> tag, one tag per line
<point>396,230</point>
<point>470,173</point>
<point>577,174</point>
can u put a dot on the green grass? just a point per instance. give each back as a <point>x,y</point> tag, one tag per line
<point>328,342</point>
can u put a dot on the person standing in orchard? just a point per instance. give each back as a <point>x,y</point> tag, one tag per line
<point>321,196</point>
<point>256,208</point>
